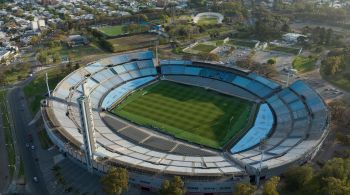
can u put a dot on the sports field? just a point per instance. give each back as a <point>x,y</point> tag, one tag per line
<point>133,42</point>
<point>191,113</point>
<point>117,30</point>
<point>112,30</point>
<point>203,48</point>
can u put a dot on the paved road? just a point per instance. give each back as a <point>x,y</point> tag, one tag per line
<point>21,117</point>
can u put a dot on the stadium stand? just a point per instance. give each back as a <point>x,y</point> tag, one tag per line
<point>293,123</point>
<point>261,128</point>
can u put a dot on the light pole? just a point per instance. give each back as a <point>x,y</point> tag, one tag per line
<point>261,148</point>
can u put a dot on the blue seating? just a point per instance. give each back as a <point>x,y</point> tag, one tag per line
<point>124,89</point>
<point>260,130</point>
<point>125,76</point>
<point>177,69</point>
<point>175,62</point>
<point>241,81</point>
<point>192,71</point>
<point>131,66</point>
<point>119,69</point>
<point>145,64</point>
<point>120,59</point>
<point>148,71</point>
<point>258,89</point>
<point>270,84</point>
<point>92,68</point>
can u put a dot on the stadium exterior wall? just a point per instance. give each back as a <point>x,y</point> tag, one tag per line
<point>151,182</point>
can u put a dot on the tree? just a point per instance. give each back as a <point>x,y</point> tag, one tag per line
<point>106,45</point>
<point>56,57</point>
<point>337,108</point>
<point>338,168</point>
<point>34,40</point>
<point>173,187</point>
<point>335,186</point>
<point>77,65</point>
<point>214,34</point>
<point>271,61</point>
<point>270,186</point>
<point>42,57</point>
<point>297,177</point>
<point>197,3</point>
<point>144,17</point>
<point>333,64</point>
<point>115,181</point>
<point>244,189</point>
<point>2,78</point>
<point>269,26</point>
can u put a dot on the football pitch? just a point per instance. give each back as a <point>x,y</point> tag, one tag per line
<point>190,113</point>
<point>112,30</point>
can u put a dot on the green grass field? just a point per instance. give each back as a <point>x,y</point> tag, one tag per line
<point>112,30</point>
<point>242,43</point>
<point>207,20</point>
<point>291,50</point>
<point>204,48</point>
<point>191,113</point>
<point>117,30</point>
<point>304,64</point>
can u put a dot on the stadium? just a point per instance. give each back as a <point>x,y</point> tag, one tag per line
<point>212,125</point>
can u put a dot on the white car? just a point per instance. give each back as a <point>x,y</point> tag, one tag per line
<point>35,179</point>
<point>33,147</point>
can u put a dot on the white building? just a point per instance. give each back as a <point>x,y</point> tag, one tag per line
<point>4,54</point>
<point>292,37</point>
<point>34,25</point>
<point>41,23</point>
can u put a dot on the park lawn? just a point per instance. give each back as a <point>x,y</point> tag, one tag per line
<point>36,90</point>
<point>203,48</point>
<point>6,128</point>
<point>112,30</point>
<point>207,21</point>
<point>291,50</point>
<point>190,113</point>
<point>304,64</point>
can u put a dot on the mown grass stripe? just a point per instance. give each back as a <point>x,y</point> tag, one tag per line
<point>187,112</point>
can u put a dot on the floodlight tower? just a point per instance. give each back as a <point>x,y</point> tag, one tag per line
<point>88,129</point>
<point>47,85</point>
<point>261,148</point>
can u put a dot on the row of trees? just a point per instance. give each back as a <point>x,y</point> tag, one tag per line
<point>319,35</point>
<point>269,26</point>
<point>115,181</point>
<point>332,178</point>
<point>233,11</point>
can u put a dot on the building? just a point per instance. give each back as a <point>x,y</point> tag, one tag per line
<point>4,54</point>
<point>34,25</point>
<point>293,37</point>
<point>293,121</point>
<point>76,40</point>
